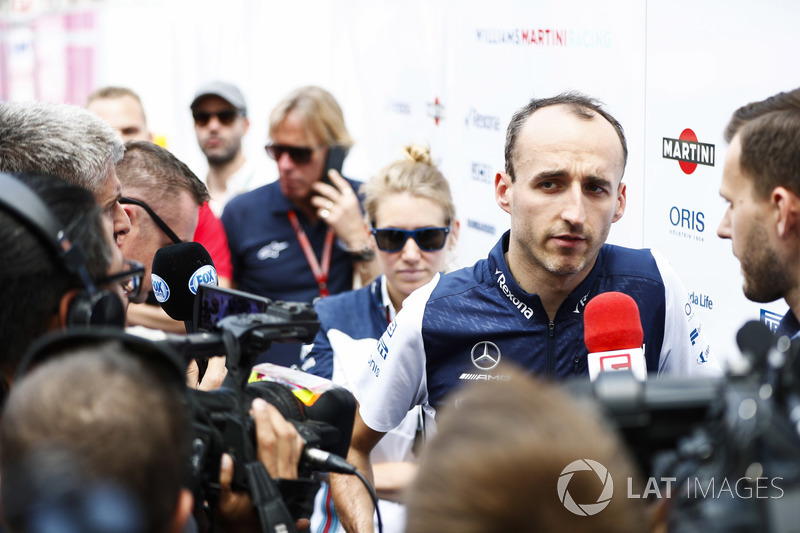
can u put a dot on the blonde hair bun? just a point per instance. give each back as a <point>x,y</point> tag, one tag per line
<point>417,153</point>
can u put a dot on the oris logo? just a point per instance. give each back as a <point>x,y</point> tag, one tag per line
<point>687,219</point>
<point>205,274</point>
<point>688,152</point>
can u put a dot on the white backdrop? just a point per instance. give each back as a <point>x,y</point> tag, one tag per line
<point>449,73</point>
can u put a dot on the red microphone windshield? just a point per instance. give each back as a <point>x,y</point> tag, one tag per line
<point>611,322</point>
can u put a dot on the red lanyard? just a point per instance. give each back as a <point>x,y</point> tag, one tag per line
<point>320,272</point>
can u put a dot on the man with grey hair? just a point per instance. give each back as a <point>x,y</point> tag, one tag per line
<point>68,142</point>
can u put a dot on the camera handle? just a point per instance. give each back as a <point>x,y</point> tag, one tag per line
<point>273,515</point>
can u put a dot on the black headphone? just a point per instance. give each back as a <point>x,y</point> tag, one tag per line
<point>90,307</point>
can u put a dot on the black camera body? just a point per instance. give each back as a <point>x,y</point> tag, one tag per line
<point>241,326</point>
<point>729,446</point>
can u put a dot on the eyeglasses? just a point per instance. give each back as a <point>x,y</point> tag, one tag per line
<point>157,219</point>
<point>130,279</point>
<point>394,239</point>
<point>226,117</point>
<point>299,154</point>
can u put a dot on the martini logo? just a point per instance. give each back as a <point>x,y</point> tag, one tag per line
<point>436,110</point>
<point>688,152</point>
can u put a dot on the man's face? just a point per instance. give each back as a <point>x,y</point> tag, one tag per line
<point>115,267</point>
<point>108,199</point>
<point>566,195</point>
<point>145,238</point>
<point>747,224</point>
<point>296,178</point>
<point>124,114</point>
<point>219,136</point>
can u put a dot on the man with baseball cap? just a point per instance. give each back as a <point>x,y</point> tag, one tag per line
<point>220,121</point>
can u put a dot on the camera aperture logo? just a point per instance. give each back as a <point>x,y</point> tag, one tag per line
<point>585,509</point>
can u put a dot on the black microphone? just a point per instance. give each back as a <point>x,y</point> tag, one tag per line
<point>177,272</point>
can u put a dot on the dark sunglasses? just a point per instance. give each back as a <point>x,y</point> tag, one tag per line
<point>157,219</point>
<point>299,154</point>
<point>393,239</point>
<point>226,118</point>
<point>130,278</point>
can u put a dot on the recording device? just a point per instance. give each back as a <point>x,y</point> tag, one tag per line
<point>334,160</point>
<point>241,326</point>
<point>613,335</point>
<point>730,445</point>
<point>177,272</point>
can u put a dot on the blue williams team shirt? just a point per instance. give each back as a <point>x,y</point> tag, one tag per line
<point>461,325</point>
<point>268,260</point>
<point>350,325</point>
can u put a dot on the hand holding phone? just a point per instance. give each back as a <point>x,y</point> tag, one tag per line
<point>334,160</point>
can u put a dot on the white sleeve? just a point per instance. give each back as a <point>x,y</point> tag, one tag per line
<point>685,350</point>
<point>397,379</point>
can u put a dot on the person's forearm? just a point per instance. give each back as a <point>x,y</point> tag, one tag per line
<point>153,317</point>
<point>391,479</point>
<point>350,497</point>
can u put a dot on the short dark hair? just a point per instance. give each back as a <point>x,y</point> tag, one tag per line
<point>782,101</point>
<point>582,105</point>
<point>32,277</point>
<point>770,151</point>
<point>148,167</point>
<point>119,420</point>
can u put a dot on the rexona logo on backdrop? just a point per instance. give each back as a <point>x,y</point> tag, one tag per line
<point>480,121</point>
<point>688,152</point>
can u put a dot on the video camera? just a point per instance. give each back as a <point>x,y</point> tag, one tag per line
<point>241,326</point>
<point>729,446</point>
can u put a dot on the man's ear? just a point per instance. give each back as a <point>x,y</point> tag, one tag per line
<point>60,320</point>
<point>246,125</point>
<point>787,211</point>
<point>503,189</point>
<point>183,509</point>
<point>133,216</point>
<point>621,202</point>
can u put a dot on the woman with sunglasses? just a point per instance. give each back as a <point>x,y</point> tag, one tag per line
<point>413,224</point>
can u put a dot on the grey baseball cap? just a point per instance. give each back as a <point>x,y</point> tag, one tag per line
<point>227,91</point>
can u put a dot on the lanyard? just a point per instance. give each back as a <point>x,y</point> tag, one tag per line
<point>320,272</point>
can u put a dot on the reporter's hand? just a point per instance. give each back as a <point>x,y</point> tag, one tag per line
<point>279,448</point>
<point>279,444</point>
<point>213,377</point>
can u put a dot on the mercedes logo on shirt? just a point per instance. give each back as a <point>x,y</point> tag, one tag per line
<point>485,355</point>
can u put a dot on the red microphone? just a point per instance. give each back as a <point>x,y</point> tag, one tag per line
<point>612,331</point>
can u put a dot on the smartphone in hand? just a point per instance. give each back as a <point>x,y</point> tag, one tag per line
<point>335,160</point>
